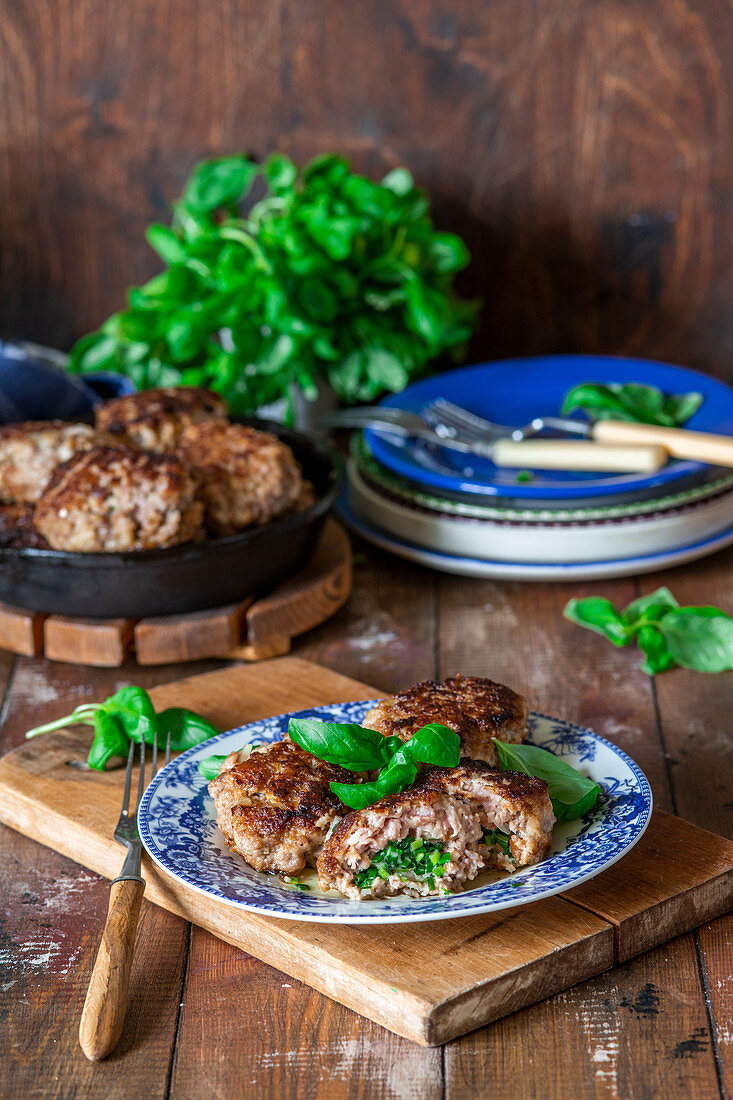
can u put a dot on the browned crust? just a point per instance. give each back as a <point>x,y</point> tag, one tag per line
<point>514,786</point>
<point>148,408</point>
<point>288,783</point>
<point>81,487</point>
<point>476,708</point>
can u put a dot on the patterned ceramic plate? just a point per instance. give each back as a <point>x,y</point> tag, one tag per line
<point>540,543</point>
<point>463,566</point>
<point>179,831</point>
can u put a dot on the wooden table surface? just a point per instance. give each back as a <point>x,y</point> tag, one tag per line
<point>207,1020</point>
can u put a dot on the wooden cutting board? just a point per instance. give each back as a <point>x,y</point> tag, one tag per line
<point>428,982</point>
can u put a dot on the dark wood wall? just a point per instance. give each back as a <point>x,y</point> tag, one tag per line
<point>582,146</point>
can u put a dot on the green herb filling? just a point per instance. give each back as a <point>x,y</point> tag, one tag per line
<point>496,838</point>
<point>411,860</point>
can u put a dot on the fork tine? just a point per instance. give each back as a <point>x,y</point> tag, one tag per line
<point>168,748</point>
<point>155,755</point>
<point>128,779</point>
<point>141,777</point>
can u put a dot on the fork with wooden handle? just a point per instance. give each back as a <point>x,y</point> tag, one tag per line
<point>103,1015</point>
<point>717,450</point>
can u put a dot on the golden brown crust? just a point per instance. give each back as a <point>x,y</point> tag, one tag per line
<point>513,786</point>
<point>30,452</point>
<point>475,708</point>
<point>275,808</point>
<point>154,420</point>
<point>247,476</point>
<point>115,499</point>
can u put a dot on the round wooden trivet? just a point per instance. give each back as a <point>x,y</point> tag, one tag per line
<point>256,628</point>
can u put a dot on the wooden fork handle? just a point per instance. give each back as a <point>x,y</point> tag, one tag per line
<point>103,1016</point>
<point>699,446</point>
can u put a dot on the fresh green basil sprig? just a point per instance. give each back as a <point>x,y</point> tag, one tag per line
<point>329,275</point>
<point>700,638</point>
<point>359,749</point>
<point>633,402</point>
<point>211,766</point>
<point>572,794</point>
<point>129,715</point>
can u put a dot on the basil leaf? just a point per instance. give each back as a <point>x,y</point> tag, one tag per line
<point>572,793</point>
<point>434,744</point>
<point>598,614</point>
<point>631,401</point>
<point>399,774</point>
<point>657,656</point>
<point>133,710</point>
<point>679,408</point>
<point>110,740</point>
<point>700,638</point>
<point>649,608</point>
<point>186,728</point>
<point>353,747</point>
<point>211,766</point>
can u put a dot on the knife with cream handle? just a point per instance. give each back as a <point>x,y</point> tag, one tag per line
<point>571,454</point>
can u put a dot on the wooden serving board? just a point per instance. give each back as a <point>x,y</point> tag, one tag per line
<point>428,982</point>
<point>250,630</point>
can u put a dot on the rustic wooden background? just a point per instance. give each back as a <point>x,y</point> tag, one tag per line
<point>583,147</point>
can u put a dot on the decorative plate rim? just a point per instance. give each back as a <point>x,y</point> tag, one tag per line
<point>399,489</point>
<point>293,905</point>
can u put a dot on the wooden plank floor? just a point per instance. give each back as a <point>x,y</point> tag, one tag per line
<point>209,1021</point>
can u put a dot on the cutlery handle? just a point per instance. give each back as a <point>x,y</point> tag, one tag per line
<point>571,454</point>
<point>103,1016</point>
<point>700,446</point>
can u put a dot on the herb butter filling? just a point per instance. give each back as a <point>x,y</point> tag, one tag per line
<point>411,860</point>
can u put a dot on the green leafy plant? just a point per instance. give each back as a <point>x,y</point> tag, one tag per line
<point>699,638</point>
<point>328,275</point>
<point>572,794</point>
<point>359,749</point>
<point>129,715</point>
<point>633,402</point>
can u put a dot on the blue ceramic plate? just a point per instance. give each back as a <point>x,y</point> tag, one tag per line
<point>178,828</point>
<point>514,391</point>
<point>522,571</point>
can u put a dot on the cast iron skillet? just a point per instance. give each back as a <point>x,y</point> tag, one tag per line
<point>184,578</point>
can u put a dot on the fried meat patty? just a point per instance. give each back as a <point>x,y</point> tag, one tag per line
<point>247,476</point>
<point>275,807</point>
<point>114,498</point>
<point>399,844</point>
<point>154,420</point>
<point>30,452</point>
<point>475,708</point>
<point>17,530</point>
<point>514,810</point>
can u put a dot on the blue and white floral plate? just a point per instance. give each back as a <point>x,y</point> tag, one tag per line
<point>178,829</point>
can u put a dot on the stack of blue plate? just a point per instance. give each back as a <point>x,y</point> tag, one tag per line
<point>431,506</point>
